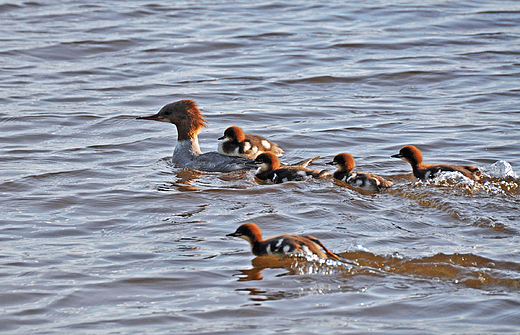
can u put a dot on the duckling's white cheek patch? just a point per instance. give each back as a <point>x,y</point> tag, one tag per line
<point>247,146</point>
<point>266,144</point>
<point>302,173</point>
<point>262,167</point>
<point>306,249</point>
<point>286,249</point>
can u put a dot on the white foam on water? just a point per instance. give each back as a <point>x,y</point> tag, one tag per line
<point>500,169</point>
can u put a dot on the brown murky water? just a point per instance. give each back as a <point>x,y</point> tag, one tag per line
<point>100,233</point>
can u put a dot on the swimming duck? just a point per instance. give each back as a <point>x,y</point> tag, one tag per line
<point>237,143</point>
<point>345,164</point>
<point>281,245</point>
<point>421,170</point>
<point>185,115</point>
<point>270,169</point>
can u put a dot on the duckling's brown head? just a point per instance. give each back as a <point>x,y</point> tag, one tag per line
<point>249,232</point>
<point>410,154</point>
<point>234,134</point>
<point>267,161</point>
<point>343,162</point>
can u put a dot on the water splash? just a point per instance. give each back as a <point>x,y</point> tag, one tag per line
<point>306,263</point>
<point>500,169</point>
<point>451,177</point>
<point>500,178</point>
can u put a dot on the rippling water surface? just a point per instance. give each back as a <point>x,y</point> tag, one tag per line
<point>100,233</point>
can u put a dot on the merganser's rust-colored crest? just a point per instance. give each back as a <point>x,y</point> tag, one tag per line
<point>188,119</point>
<point>186,116</point>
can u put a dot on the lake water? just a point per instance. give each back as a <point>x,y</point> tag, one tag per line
<point>101,234</point>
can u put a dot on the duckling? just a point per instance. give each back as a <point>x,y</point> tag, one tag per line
<point>270,169</point>
<point>421,170</point>
<point>281,245</point>
<point>345,164</point>
<point>237,143</point>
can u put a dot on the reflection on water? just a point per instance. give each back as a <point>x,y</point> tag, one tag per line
<point>184,181</point>
<point>471,270</point>
<point>260,263</point>
<point>357,189</point>
<point>193,180</point>
<point>297,264</point>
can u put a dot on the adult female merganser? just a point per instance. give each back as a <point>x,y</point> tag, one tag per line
<point>345,164</point>
<point>281,245</point>
<point>189,121</point>
<point>270,169</point>
<point>245,145</point>
<point>421,170</point>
